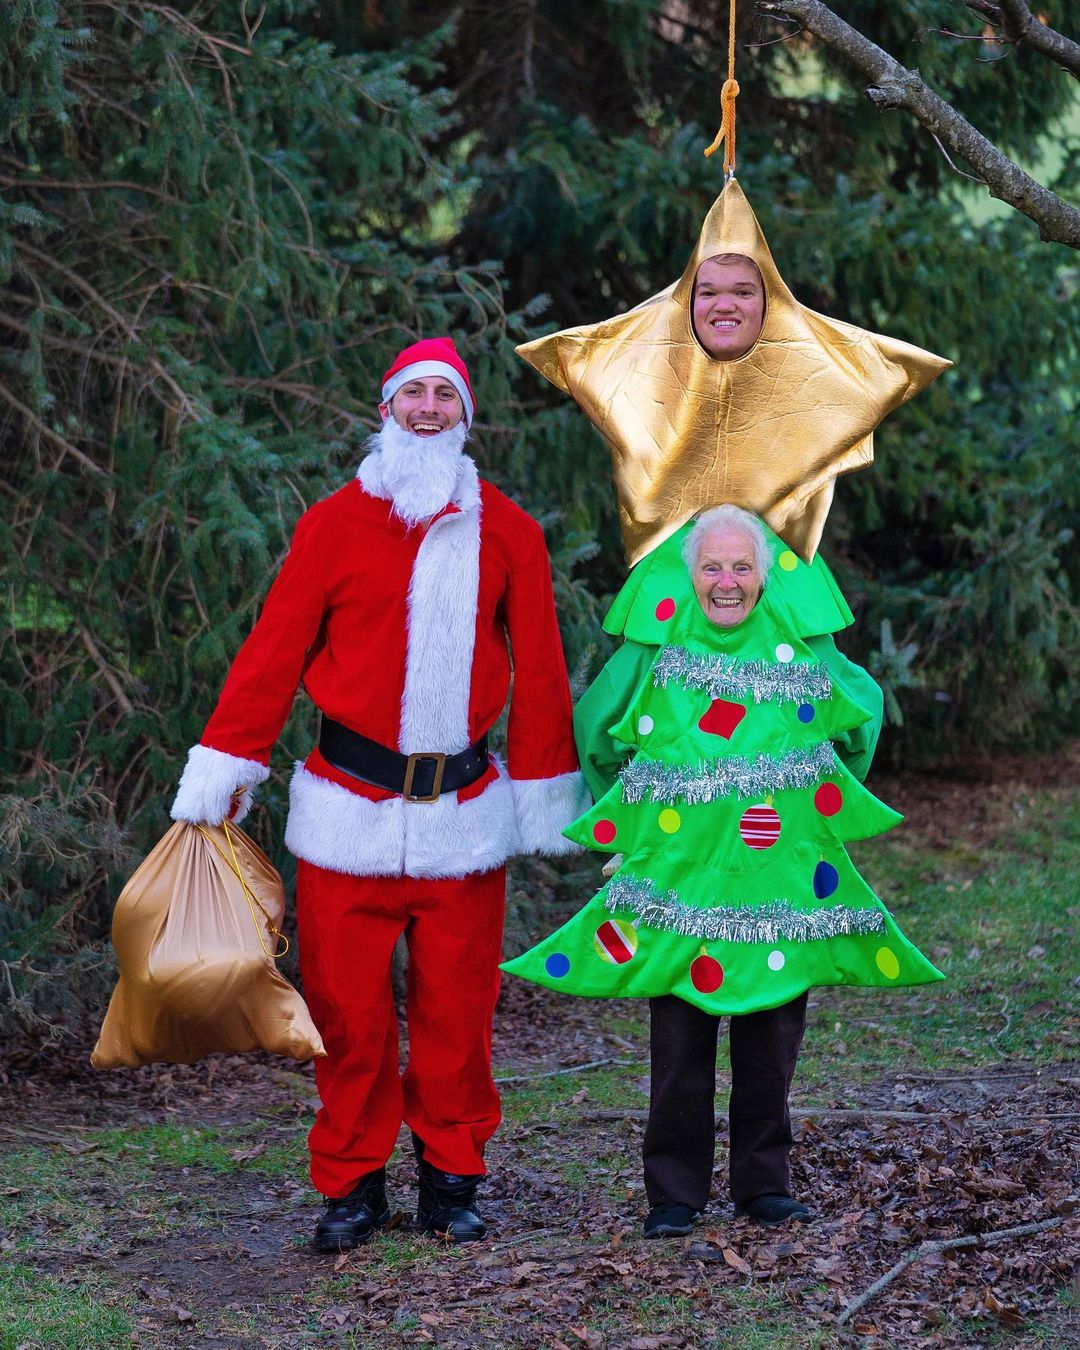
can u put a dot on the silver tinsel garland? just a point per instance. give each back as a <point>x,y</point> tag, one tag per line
<point>738,776</point>
<point>728,677</point>
<point>770,922</point>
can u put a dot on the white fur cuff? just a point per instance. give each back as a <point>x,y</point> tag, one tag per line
<point>545,807</point>
<point>208,782</point>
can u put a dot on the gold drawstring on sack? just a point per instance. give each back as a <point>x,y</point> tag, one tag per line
<point>249,895</point>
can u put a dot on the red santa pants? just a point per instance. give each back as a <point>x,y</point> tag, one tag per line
<point>347,928</point>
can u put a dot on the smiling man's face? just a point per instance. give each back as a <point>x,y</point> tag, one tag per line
<point>729,307</point>
<point>425,406</point>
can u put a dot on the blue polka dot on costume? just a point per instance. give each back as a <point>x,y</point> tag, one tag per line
<point>806,712</point>
<point>557,965</point>
<point>826,880</point>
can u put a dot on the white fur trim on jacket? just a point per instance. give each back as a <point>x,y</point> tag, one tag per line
<point>208,782</point>
<point>442,607</point>
<point>544,807</point>
<point>343,832</point>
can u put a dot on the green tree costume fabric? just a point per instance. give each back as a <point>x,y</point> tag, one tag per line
<point>727,767</point>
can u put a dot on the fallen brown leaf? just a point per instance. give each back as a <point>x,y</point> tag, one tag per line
<point>1007,1314</point>
<point>735,1261</point>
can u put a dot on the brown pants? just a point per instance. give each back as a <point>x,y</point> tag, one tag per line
<point>680,1138</point>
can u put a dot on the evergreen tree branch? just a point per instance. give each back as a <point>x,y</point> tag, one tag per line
<point>1020,26</point>
<point>184,403</point>
<point>46,432</point>
<point>894,86</point>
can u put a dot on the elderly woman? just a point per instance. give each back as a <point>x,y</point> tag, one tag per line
<point>725,743</point>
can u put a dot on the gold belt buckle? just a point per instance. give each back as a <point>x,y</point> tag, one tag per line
<point>410,771</point>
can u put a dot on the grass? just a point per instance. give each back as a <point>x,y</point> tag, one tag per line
<point>37,1310</point>
<point>544,1098</point>
<point>240,1148</point>
<point>142,1169</point>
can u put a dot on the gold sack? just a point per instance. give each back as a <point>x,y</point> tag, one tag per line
<point>196,950</point>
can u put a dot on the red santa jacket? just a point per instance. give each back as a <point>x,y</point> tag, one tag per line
<point>405,636</point>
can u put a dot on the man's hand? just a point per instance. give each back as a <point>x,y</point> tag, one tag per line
<point>612,865</point>
<point>216,786</point>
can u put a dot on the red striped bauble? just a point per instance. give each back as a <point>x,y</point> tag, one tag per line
<point>616,941</point>
<point>759,826</point>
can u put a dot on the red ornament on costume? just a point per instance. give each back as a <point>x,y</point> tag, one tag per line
<point>722,718</point>
<point>616,941</point>
<point>759,826</point>
<point>706,974</point>
<point>828,799</point>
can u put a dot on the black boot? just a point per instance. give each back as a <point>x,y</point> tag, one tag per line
<point>354,1218</point>
<point>447,1205</point>
<point>773,1209</point>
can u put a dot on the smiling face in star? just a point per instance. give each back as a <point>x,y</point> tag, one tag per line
<point>728,306</point>
<point>425,406</point>
<point>726,576</point>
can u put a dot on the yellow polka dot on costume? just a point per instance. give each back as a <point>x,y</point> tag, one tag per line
<point>669,820</point>
<point>788,561</point>
<point>887,963</point>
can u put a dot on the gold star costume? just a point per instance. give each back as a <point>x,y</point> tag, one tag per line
<point>770,431</point>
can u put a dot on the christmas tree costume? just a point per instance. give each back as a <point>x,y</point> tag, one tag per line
<point>735,891</point>
<point>727,759</point>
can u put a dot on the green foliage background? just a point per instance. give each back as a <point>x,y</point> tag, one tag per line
<point>217,224</point>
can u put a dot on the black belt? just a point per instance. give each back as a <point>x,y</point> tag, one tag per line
<point>419,778</point>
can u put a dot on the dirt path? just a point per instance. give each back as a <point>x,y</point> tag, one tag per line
<point>212,1256</point>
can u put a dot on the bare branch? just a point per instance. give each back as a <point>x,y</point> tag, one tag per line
<point>105,670</point>
<point>946,1245</point>
<point>1020,26</point>
<point>102,185</point>
<point>47,434</point>
<point>894,86</point>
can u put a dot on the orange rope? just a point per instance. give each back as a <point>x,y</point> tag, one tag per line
<point>249,895</point>
<point>726,135</point>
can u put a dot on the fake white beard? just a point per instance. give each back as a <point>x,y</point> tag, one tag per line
<point>418,473</point>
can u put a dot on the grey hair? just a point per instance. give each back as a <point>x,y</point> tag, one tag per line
<point>729,516</point>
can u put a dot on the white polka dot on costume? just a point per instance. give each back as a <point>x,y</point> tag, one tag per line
<point>788,561</point>
<point>887,963</point>
<point>669,820</point>
<point>645,724</point>
<point>785,652</point>
<point>777,960</point>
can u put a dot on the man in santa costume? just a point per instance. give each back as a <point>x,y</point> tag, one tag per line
<point>398,606</point>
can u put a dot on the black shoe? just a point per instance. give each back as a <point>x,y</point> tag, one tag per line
<point>356,1217</point>
<point>670,1220</point>
<point>447,1205</point>
<point>773,1209</point>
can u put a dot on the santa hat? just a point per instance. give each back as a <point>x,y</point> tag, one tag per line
<point>432,356</point>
